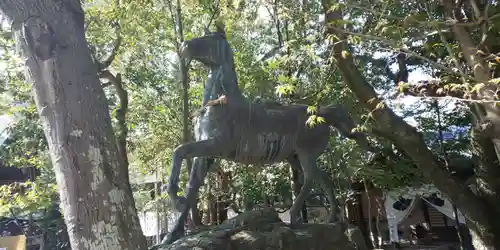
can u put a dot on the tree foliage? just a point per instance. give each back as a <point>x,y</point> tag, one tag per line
<point>281,53</point>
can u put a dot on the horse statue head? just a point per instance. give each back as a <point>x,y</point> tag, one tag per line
<point>212,49</point>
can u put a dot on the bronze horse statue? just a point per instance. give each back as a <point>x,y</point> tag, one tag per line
<point>251,133</point>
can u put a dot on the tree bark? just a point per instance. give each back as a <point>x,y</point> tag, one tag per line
<point>477,210</point>
<point>95,193</point>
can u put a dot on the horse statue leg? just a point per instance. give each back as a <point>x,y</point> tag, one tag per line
<point>201,166</point>
<point>326,185</point>
<point>203,148</point>
<point>295,217</point>
<point>198,149</point>
<point>311,173</point>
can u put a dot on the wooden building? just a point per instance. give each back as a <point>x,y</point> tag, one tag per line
<point>9,175</point>
<point>19,226</point>
<point>371,206</point>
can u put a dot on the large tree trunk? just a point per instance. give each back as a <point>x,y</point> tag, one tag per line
<point>95,193</point>
<point>479,210</point>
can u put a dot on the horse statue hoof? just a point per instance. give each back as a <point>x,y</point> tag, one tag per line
<point>171,238</point>
<point>296,220</point>
<point>180,204</point>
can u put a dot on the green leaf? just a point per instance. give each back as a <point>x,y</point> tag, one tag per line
<point>311,109</point>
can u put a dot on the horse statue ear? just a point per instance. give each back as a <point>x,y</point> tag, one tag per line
<point>207,31</point>
<point>220,27</point>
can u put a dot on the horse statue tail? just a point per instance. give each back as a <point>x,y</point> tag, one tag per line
<point>337,117</point>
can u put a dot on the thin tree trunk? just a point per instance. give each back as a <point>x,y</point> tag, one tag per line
<point>343,212</point>
<point>212,212</point>
<point>362,222</point>
<point>377,224</point>
<point>186,131</point>
<point>369,207</point>
<point>95,193</point>
<point>223,199</point>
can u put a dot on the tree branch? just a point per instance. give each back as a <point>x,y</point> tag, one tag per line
<point>173,20</point>
<point>104,64</point>
<point>432,89</point>
<point>121,113</point>
<point>270,53</point>
<point>381,63</point>
<point>396,47</point>
<point>410,19</point>
<point>402,74</point>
